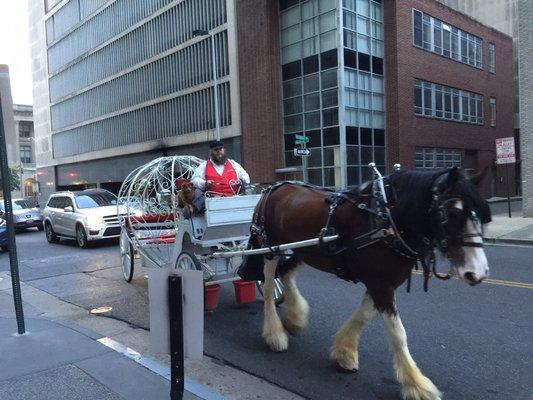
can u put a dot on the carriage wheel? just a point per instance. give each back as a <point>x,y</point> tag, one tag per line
<point>126,256</point>
<point>187,261</point>
<point>278,290</point>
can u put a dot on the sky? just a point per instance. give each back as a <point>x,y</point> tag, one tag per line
<point>15,48</point>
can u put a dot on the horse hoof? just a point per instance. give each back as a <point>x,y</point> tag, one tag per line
<point>291,327</point>
<point>343,370</point>
<point>278,343</point>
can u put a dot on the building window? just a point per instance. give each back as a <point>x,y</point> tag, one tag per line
<point>492,112</point>
<point>436,158</point>
<point>25,154</point>
<point>25,129</point>
<point>444,102</point>
<point>492,58</point>
<point>438,37</point>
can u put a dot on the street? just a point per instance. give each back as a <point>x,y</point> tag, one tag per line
<point>473,342</point>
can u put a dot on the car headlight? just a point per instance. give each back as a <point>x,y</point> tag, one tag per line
<point>95,220</point>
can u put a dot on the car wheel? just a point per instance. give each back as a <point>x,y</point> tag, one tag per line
<point>81,237</point>
<point>51,236</point>
<point>40,227</point>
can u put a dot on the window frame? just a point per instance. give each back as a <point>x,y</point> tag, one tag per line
<point>442,38</point>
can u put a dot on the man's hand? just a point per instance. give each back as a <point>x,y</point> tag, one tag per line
<point>208,184</point>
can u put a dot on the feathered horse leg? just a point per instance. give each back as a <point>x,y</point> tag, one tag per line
<point>273,332</point>
<point>346,344</point>
<point>297,308</point>
<point>415,386</point>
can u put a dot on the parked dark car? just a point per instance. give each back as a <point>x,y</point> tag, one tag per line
<point>3,235</point>
<point>25,214</point>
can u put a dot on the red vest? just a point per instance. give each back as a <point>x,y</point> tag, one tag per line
<point>221,185</point>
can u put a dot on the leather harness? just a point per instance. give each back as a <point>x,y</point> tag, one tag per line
<point>383,229</point>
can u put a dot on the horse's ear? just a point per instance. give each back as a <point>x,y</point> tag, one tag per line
<point>453,176</point>
<point>476,179</point>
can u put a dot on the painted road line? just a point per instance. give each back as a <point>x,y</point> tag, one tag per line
<point>500,282</point>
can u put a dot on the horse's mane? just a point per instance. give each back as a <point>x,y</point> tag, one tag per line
<point>413,196</point>
<point>413,190</point>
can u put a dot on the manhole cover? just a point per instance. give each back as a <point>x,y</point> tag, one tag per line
<point>101,310</point>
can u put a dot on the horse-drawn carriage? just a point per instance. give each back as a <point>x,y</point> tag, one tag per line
<point>160,233</point>
<point>374,240</point>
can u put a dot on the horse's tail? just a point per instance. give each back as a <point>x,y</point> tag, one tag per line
<point>251,268</point>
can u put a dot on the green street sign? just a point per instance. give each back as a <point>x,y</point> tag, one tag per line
<point>301,139</point>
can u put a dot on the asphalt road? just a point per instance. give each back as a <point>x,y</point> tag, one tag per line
<point>473,342</point>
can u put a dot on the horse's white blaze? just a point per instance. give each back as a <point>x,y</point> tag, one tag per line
<point>414,384</point>
<point>345,347</point>
<point>273,331</point>
<point>297,308</point>
<point>475,259</point>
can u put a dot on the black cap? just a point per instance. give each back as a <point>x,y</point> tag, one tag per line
<point>216,144</point>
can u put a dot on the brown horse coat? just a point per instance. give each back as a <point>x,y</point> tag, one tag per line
<point>293,213</point>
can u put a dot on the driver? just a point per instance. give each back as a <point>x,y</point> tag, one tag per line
<point>219,175</point>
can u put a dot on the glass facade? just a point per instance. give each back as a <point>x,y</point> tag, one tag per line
<point>439,37</point>
<point>333,88</point>
<point>310,67</point>
<point>123,72</point>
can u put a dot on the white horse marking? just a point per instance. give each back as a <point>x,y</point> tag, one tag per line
<point>273,332</point>
<point>415,386</point>
<point>297,309</point>
<point>476,266</point>
<point>346,344</point>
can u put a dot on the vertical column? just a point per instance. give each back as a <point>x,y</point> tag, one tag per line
<point>525,66</point>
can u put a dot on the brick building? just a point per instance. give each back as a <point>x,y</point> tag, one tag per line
<point>351,75</point>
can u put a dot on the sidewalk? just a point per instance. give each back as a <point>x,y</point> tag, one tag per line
<point>54,361</point>
<point>72,354</point>
<point>515,230</point>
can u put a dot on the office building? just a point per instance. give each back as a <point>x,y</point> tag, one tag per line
<point>119,83</point>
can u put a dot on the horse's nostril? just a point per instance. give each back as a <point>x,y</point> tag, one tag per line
<point>470,276</point>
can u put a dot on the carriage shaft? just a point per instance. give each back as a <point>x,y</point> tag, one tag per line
<point>274,249</point>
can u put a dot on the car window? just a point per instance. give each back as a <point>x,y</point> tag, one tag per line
<point>15,206</point>
<point>91,200</point>
<point>52,202</point>
<point>23,203</point>
<point>60,200</point>
<point>68,203</point>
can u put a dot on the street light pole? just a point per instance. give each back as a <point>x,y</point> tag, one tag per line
<point>8,206</point>
<point>201,32</point>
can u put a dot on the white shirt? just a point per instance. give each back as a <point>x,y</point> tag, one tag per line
<point>198,178</point>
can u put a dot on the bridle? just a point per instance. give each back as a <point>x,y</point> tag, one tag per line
<point>439,213</point>
<point>440,218</point>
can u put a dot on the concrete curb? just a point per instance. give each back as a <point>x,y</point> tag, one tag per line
<point>503,200</point>
<point>523,242</point>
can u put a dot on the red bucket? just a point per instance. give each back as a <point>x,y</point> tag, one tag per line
<point>211,293</point>
<point>244,291</point>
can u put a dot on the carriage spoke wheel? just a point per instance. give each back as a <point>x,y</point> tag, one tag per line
<point>126,257</point>
<point>187,261</point>
<point>278,290</point>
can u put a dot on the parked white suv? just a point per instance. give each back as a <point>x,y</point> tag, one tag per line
<point>86,216</point>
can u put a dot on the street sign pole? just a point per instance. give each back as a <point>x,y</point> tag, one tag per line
<point>13,259</point>
<point>304,167</point>
<point>508,193</point>
<point>302,140</point>
<point>505,154</point>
